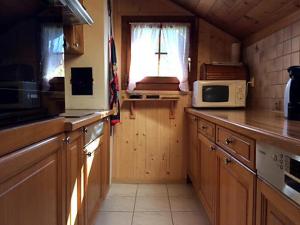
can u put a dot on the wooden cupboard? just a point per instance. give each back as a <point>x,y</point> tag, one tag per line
<point>74,39</point>
<point>235,191</point>
<point>105,160</point>
<point>193,150</point>
<point>75,190</point>
<point>207,176</point>
<point>273,208</point>
<point>32,184</point>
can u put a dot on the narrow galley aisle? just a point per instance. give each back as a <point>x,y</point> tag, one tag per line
<point>151,204</point>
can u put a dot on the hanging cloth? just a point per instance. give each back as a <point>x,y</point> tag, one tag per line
<point>114,102</point>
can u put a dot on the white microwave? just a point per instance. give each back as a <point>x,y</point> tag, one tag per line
<point>219,93</point>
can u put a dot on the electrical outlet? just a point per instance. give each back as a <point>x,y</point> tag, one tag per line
<point>252,82</point>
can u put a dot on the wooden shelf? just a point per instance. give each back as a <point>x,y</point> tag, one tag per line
<point>172,100</point>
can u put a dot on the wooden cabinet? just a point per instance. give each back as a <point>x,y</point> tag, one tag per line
<point>193,162</point>
<point>74,42</point>
<point>32,184</point>
<point>75,191</point>
<point>105,160</point>
<point>97,172</point>
<point>207,176</point>
<point>74,39</point>
<point>273,208</point>
<point>93,177</point>
<point>235,191</point>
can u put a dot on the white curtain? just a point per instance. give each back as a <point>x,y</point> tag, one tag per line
<point>175,41</point>
<point>144,45</point>
<point>144,49</point>
<point>52,53</point>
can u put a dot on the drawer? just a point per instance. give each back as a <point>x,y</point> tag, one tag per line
<point>241,147</point>
<point>207,129</point>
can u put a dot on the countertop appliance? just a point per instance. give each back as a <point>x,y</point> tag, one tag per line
<point>279,168</point>
<point>292,94</point>
<point>219,93</point>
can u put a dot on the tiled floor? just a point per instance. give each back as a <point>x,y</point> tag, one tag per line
<point>151,204</point>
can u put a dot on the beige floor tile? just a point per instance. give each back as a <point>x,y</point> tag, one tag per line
<point>183,190</point>
<point>184,204</point>
<point>190,218</point>
<point>123,190</point>
<point>152,218</point>
<point>152,204</point>
<point>152,190</point>
<point>113,218</point>
<point>118,204</point>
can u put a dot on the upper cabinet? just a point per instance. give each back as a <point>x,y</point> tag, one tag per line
<point>74,41</point>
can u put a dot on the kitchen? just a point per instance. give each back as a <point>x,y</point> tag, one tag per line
<point>171,112</point>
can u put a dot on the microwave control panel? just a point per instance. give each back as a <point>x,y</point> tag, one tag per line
<point>241,95</point>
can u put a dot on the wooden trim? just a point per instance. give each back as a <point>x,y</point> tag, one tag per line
<point>271,29</point>
<point>29,134</point>
<point>126,46</point>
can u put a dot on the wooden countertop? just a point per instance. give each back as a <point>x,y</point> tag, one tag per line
<point>72,124</point>
<point>267,126</point>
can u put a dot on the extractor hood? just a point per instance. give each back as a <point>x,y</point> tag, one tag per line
<point>74,12</point>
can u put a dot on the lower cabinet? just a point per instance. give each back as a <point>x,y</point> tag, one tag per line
<point>75,166</point>
<point>273,208</point>
<point>193,165</point>
<point>207,176</point>
<point>32,185</point>
<point>235,191</point>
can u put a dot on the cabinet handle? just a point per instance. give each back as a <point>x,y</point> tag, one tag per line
<point>85,130</point>
<point>67,140</point>
<point>204,127</point>
<point>88,154</point>
<point>228,141</point>
<point>227,161</point>
<point>76,45</point>
<point>212,148</point>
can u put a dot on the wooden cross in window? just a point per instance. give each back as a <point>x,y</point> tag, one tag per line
<point>160,53</point>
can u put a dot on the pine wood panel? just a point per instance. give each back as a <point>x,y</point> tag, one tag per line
<point>151,148</point>
<point>241,17</point>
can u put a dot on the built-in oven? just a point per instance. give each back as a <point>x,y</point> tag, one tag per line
<point>280,168</point>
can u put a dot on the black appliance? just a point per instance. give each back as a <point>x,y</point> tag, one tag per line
<point>292,94</point>
<point>32,57</point>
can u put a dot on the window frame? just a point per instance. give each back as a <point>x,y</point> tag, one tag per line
<point>126,50</point>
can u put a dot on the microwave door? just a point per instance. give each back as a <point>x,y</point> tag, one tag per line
<point>215,93</point>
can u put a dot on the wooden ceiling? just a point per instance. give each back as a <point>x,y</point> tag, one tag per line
<point>241,17</point>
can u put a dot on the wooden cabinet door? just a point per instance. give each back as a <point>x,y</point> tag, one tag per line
<point>32,185</point>
<point>93,177</point>
<point>273,208</point>
<point>235,192</point>
<point>105,160</point>
<point>193,149</point>
<point>75,194</point>
<point>207,175</point>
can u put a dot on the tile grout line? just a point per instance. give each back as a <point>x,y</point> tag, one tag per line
<point>170,204</point>
<point>136,192</point>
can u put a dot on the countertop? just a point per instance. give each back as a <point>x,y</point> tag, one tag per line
<point>92,116</point>
<point>267,126</point>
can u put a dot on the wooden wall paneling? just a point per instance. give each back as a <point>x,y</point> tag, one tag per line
<point>150,148</point>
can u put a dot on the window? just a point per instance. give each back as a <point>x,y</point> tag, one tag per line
<point>159,50</point>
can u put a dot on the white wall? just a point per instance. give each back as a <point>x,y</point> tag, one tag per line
<point>95,56</point>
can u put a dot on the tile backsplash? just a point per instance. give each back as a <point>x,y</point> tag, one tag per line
<point>268,60</point>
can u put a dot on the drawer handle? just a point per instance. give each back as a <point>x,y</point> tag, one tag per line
<point>212,148</point>
<point>88,154</point>
<point>204,127</point>
<point>227,161</point>
<point>85,130</point>
<point>67,140</point>
<point>228,141</point>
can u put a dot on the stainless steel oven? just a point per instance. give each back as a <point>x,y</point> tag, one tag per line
<point>280,168</point>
